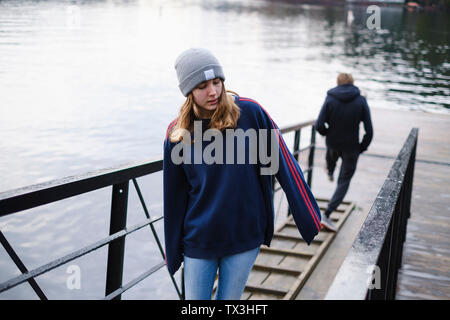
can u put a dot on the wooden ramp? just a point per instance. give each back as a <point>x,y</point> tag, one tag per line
<point>281,270</point>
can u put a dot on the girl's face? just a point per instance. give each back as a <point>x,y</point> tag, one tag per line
<point>207,94</point>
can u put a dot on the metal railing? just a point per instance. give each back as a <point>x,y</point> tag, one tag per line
<point>118,178</point>
<point>311,147</point>
<point>41,194</point>
<point>370,269</point>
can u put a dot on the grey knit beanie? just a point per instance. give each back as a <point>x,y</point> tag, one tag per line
<point>194,66</point>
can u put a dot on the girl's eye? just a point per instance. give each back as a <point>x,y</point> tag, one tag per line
<point>203,85</point>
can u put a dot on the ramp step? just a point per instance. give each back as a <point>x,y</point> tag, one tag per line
<point>266,289</point>
<point>278,269</point>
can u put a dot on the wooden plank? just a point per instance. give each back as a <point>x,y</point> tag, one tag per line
<point>294,262</point>
<point>277,269</point>
<point>323,208</point>
<point>286,251</point>
<point>269,258</point>
<point>284,236</point>
<point>283,243</point>
<point>261,296</point>
<point>246,295</point>
<point>267,289</point>
<point>346,203</point>
<point>257,276</point>
<point>290,230</point>
<point>321,237</point>
<point>291,224</point>
<point>417,285</point>
<point>311,249</point>
<point>280,280</point>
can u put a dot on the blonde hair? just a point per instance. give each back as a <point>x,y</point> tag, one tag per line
<point>225,116</point>
<point>344,78</point>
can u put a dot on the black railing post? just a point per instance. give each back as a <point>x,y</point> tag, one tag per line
<point>297,144</point>
<point>311,155</point>
<point>183,288</point>
<point>407,205</point>
<point>155,235</point>
<point>392,255</point>
<point>410,173</point>
<point>398,238</point>
<point>116,248</point>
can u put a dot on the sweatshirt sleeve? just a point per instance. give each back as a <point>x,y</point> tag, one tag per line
<point>323,117</point>
<point>175,194</point>
<point>367,127</point>
<point>301,201</point>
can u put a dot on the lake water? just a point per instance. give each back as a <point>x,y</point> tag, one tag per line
<point>86,85</point>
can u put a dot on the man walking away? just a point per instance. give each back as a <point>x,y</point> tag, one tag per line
<point>343,110</point>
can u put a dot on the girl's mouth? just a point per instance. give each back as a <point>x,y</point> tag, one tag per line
<point>213,102</point>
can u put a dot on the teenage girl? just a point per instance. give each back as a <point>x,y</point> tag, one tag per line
<point>218,213</point>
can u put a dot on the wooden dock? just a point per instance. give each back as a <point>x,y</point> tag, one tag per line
<point>425,272</point>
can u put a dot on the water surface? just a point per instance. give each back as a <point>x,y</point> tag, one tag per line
<point>86,85</point>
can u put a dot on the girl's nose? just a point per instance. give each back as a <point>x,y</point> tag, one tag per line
<point>211,89</point>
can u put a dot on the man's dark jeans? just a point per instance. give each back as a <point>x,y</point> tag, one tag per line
<point>348,167</point>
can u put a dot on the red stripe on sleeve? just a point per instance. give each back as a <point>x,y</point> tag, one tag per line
<point>293,170</point>
<point>170,127</point>
<point>302,188</point>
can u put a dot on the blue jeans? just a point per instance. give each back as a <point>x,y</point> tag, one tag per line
<point>199,276</point>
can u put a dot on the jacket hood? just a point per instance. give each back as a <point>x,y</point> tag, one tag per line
<point>345,92</point>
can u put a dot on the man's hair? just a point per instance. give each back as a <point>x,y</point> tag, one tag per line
<point>344,78</point>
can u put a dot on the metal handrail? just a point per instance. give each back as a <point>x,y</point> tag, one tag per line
<point>17,200</point>
<point>43,193</point>
<point>370,269</point>
<point>297,126</point>
<point>72,256</point>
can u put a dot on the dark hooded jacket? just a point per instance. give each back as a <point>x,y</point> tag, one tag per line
<point>343,110</point>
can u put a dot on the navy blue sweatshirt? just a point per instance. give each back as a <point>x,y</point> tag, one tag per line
<point>344,108</point>
<point>214,210</point>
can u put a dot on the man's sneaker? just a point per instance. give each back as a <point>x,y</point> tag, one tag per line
<point>328,224</point>
<point>329,175</point>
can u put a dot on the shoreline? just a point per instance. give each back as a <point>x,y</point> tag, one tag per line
<point>345,3</point>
